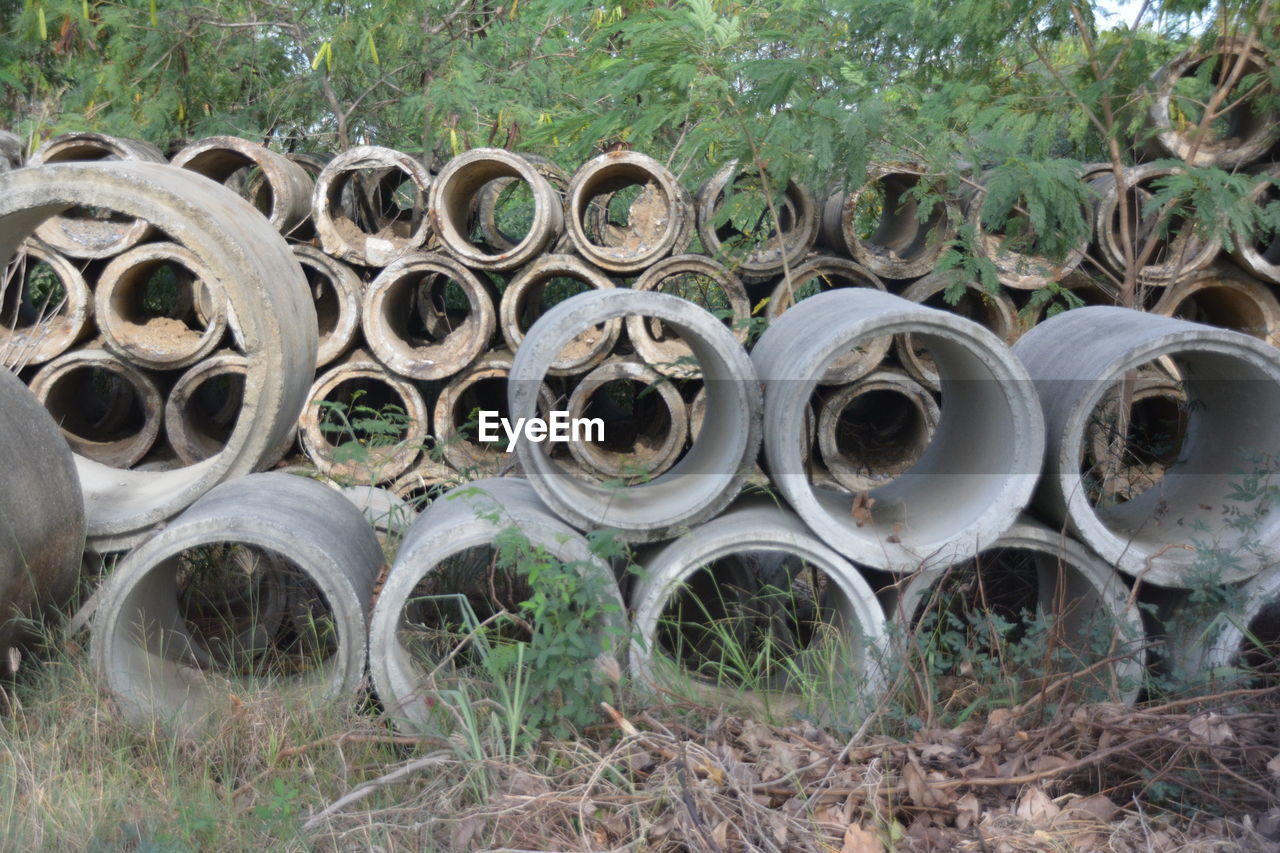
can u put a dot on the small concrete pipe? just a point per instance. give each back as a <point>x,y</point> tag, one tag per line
<point>446,553</point>
<point>642,434</point>
<point>34,326</point>
<point>284,193</point>
<point>336,291</point>
<point>993,311</point>
<point>1247,638</point>
<point>784,243</point>
<point>872,430</point>
<point>1224,297</point>
<point>704,282</point>
<point>1260,253</point>
<point>902,246</point>
<point>356,389</point>
<point>659,222</point>
<point>411,325</point>
<point>78,233</point>
<point>109,410</point>
<point>42,527</point>
<point>1232,383</point>
<point>386,224</point>
<point>762,544</point>
<point>1158,410</point>
<point>264,288</point>
<point>820,274</point>
<point>1017,269</point>
<point>977,473</point>
<point>1045,572</point>
<point>521,306</point>
<point>453,197</point>
<point>711,472</point>
<point>489,205</point>
<point>160,660</point>
<point>157,307</point>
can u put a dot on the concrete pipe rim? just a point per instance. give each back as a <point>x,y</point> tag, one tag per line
<point>286,185</point>
<point>1238,303</point>
<point>1262,261</point>
<point>345,239</point>
<point>50,335</point>
<point>780,250</point>
<point>339,323</point>
<point>1228,640</point>
<point>887,252</point>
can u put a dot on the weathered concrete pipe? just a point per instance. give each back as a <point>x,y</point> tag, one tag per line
<point>1260,253</point>
<point>151,656</point>
<point>1222,296</point>
<point>428,480</point>
<point>1019,269</point>
<point>35,327</point>
<point>786,241</point>
<point>1241,638</point>
<point>1232,383</point>
<point>978,471</point>
<point>711,472</point>
<point>336,291</point>
<point>393,227</point>
<point>489,204</point>
<point>446,553</point>
<point>284,193</point>
<point>521,306</point>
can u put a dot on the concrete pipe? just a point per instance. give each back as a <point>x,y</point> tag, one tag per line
<point>42,527</point>
<point>109,410</point>
<point>388,221</point>
<point>336,292</point>
<point>426,316</point>
<point>481,386</point>
<point>1232,383</point>
<point>644,421</point>
<point>1260,253</point>
<point>993,311</point>
<point>820,274</point>
<point>283,194</point>
<point>901,244</point>
<point>11,151</point>
<point>698,412</point>
<point>1121,468</point>
<point>1226,298</point>
<point>1033,569</point>
<point>525,300</point>
<point>388,513</point>
<point>494,197</point>
<point>1179,249</point>
<point>455,191</point>
<point>253,268</point>
<point>658,222</point>
<point>449,553</point>
<point>769,248</point>
<point>711,472</point>
<point>363,424</point>
<point>1247,134</point>
<point>81,232</point>
<point>703,281</point>
<point>760,576</point>
<point>162,618</point>
<point>977,473</point>
<point>157,307</point>
<point>1240,641</point>
<point>427,481</point>
<point>45,306</point>
<point>872,430</point>
<point>1014,267</point>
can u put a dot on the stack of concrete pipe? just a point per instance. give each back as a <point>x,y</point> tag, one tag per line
<point>903,435</point>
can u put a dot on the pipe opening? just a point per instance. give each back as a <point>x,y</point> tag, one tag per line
<point>743,222</point>
<point>383,201</point>
<point>705,291</point>
<point>541,295</point>
<point>364,410</point>
<point>1175,242</point>
<point>886,217</point>
<point>1226,308</point>
<point>1260,646</point>
<point>512,211</point>
<point>96,405</point>
<point>32,294</point>
<point>636,418</point>
<point>426,308</point>
<point>1236,120</point>
<point>212,410</point>
<point>1128,453</point>
<point>487,394</point>
<point>873,435</point>
<point>159,302</point>
<point>325,296</point>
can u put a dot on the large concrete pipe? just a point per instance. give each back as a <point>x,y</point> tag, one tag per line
<point>767,248</point>
<point>1179,249</point>
<point>993,311</point>
<point>500,198</point>
<point>453,196</point>
<point>659,221</point>
<point>283,195</point>
<point>1222,296</point>
<point>45,306</point>
<point>81,232</point>
<point>1241,134</point>
<point>426,316</point>
<point>751,577</point>
<point>872,430</point>
<point>704,282</point>
<point>525,299</point>
<point>977,473</point>
<point>165,641</point>
<point>157,307</point>
<point>363,423</point>
<point>1034,570</point>
<point>1232,383</point>
<point>336,291</point>
<point>1260,253</point>
<point>450,554</point>
<point>109,410</point>
<point>644,421</point>
<point>42,527</point>
<point>1017,268</point>
<point>387,222</point>
<point>900,244</point>
<point>265,290</point>
<point>711,472</point>
<point>820,274</point>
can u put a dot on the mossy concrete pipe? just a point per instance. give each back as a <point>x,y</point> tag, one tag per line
<point>972,480</point>
<point>265,289</point>
<point>142,648</point>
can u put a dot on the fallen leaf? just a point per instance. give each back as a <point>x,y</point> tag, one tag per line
<point>967,810</point>
<point>1211,729</point>
<point>1035,807</point>
<point>860,840</point>
<point>1098,806</point>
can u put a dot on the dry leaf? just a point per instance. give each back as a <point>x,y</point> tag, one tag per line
<point>1099,807</point>
<point>1211,729</point>
<point>967,810</point>
<point>1274,765</point>
<point>1035,807</point>
<point>860,840</point>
